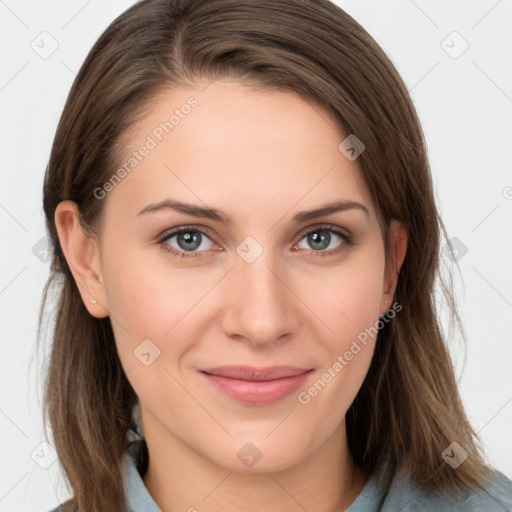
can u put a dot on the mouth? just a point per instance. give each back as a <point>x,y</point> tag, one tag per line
<point>256,386</point>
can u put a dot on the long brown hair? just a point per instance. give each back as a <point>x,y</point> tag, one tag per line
<point>408,409</point>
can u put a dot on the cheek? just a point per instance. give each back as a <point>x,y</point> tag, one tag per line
<point>141,306</point>
<point>348,303</point>
<point>348,298</point>
<point>349,306</point>
<point>140,294</point>
<point>145,305</point>
<point>149,302</point>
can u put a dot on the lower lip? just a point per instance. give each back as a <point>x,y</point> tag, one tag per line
<point>258,393</point>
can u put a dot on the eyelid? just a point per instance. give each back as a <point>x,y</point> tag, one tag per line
<point>348,240</point>
<point>168,233</point>
<point>327,226</point>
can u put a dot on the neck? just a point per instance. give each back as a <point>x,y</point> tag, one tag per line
<point>181,479</point>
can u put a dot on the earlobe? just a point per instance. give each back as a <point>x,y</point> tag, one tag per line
<point>82,256</point>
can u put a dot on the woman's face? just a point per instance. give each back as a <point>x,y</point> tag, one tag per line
<point>253,280</point>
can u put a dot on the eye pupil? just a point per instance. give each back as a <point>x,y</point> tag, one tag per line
<point>318,238</point>
<point>189,237</point>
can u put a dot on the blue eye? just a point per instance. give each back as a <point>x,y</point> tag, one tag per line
<point>323,238</point>
<point>190,241</point>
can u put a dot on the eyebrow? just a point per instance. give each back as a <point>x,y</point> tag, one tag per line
<point>219,216</point>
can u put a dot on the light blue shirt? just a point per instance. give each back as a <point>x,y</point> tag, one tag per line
<point>385,491</point>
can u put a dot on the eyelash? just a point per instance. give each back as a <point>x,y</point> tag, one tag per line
<point>348,241</point>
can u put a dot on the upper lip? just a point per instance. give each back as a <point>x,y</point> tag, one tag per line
<point>251,373</point>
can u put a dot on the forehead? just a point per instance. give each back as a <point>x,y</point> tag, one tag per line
<point>224,143</point>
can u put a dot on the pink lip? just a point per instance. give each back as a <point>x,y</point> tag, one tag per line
<point>257,385</point>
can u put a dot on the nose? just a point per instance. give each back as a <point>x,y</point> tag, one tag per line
<point>260,307</point>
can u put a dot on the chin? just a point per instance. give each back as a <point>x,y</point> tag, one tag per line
<point>254,458</point>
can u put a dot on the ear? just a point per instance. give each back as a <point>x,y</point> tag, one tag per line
<point>82,255</point>
<point>398,248</point>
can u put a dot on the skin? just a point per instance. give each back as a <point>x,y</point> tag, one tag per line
<point>259,156</point>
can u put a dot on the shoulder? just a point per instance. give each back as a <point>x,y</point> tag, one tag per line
<point>494,496</point>
<point>389,490</point>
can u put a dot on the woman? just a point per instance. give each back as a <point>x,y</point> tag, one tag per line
<point>242,213</point>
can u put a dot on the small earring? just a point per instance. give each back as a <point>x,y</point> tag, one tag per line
<point>93,301</point>
<point>386,301</point>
